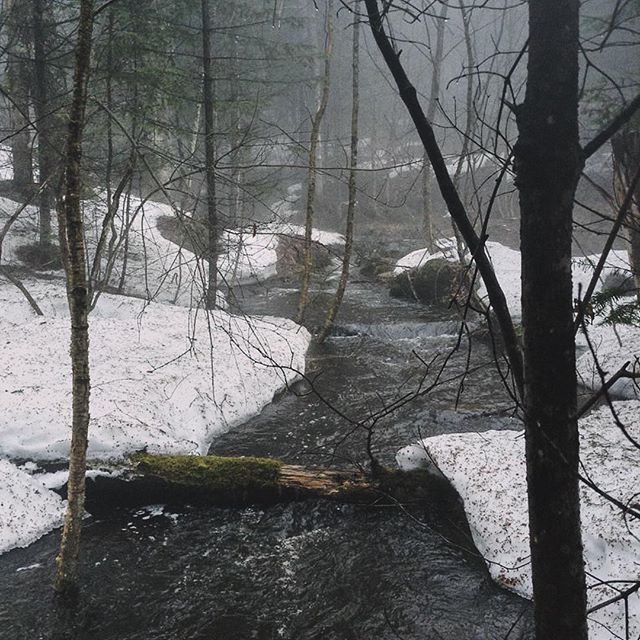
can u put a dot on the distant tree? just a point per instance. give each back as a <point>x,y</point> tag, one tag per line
<point>437,56</point>
<point>210,156</point>
<point>313,158</point>
<point>626,165</point>
<point>353,166</point>
<point>18,70</point>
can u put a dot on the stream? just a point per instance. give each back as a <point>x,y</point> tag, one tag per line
<point>308,570</point>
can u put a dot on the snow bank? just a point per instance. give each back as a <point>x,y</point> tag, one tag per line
<point>156,268</point>
<point>252,255</point>
<point>27,509</point>
<point>446,248</point>
<point>488,471</point>
<point>506,263</point>
<point>163,377</point>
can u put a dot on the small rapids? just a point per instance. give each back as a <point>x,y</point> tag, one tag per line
<point>313,570</point>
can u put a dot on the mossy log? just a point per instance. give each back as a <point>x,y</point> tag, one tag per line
<point>228,481</point>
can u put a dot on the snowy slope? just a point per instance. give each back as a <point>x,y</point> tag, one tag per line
<point>614,347</point>
<point>163,376</point>
<point>488,471</point>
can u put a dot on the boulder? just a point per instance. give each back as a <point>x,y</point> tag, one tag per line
<point>290,255</point>
<point>437,281</point>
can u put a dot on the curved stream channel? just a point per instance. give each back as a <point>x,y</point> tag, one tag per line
<point>312,570</point>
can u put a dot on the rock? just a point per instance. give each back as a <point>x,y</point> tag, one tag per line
<point>290,255</point>
<point>437,281</point>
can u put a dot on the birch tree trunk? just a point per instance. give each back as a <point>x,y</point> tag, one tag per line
<point>353,165</point>
<point>313,154</point>
<point>73,248</point>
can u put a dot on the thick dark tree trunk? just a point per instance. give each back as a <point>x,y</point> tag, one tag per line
<point>73,248</point>
<point>210,159</point>
<point>548,162</point>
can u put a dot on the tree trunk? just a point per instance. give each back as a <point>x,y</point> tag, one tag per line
<point>548,162</point>
<point>353,165</point>
<point>313,153</point>
<point>434,96</point>
<point>626,161</point>
<point>209,153</point>
<point>44,120</point>
<point>72,243</point>
<point>18,81</point>
<point>449,193</point>
<point>468,128</point>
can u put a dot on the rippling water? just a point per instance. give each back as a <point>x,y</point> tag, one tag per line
<point>313,570</point>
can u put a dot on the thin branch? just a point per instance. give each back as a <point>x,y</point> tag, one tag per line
<point>612,128</point>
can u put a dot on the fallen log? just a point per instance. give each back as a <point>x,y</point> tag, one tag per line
<point>228,481</point>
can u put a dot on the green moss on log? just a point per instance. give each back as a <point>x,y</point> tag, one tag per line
<point>211,473</point>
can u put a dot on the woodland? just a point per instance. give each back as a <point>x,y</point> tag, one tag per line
<point>320,319</point>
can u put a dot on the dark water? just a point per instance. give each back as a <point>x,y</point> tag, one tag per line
<point>310,570</point>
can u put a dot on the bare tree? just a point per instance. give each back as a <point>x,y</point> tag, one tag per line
<point>626,159</point>
<point>210,160</point>
<point>434,96</point>
<point>548,162</point>
<point>313,156</point>
<point>353,165</point>
<point>18,81</point>
<point>71,231</point>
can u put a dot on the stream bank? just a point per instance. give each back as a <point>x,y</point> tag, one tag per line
<point>308,570</point>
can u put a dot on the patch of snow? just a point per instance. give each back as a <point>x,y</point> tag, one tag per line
<point>27,510</point>
<point>163,377</point>
<point>446,248</point>
<point>498,516</point>
<point>57,479</point>
<point>156,268</point>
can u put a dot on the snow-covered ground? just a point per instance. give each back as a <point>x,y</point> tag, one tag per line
<point>156,268</point>
<point>166,377</point>
<point>497,509</point>
<point>614,346</point>
<point>163,377</point>
<point>488,471</point>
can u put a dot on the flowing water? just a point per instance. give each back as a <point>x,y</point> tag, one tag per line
<point>309,570</point>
